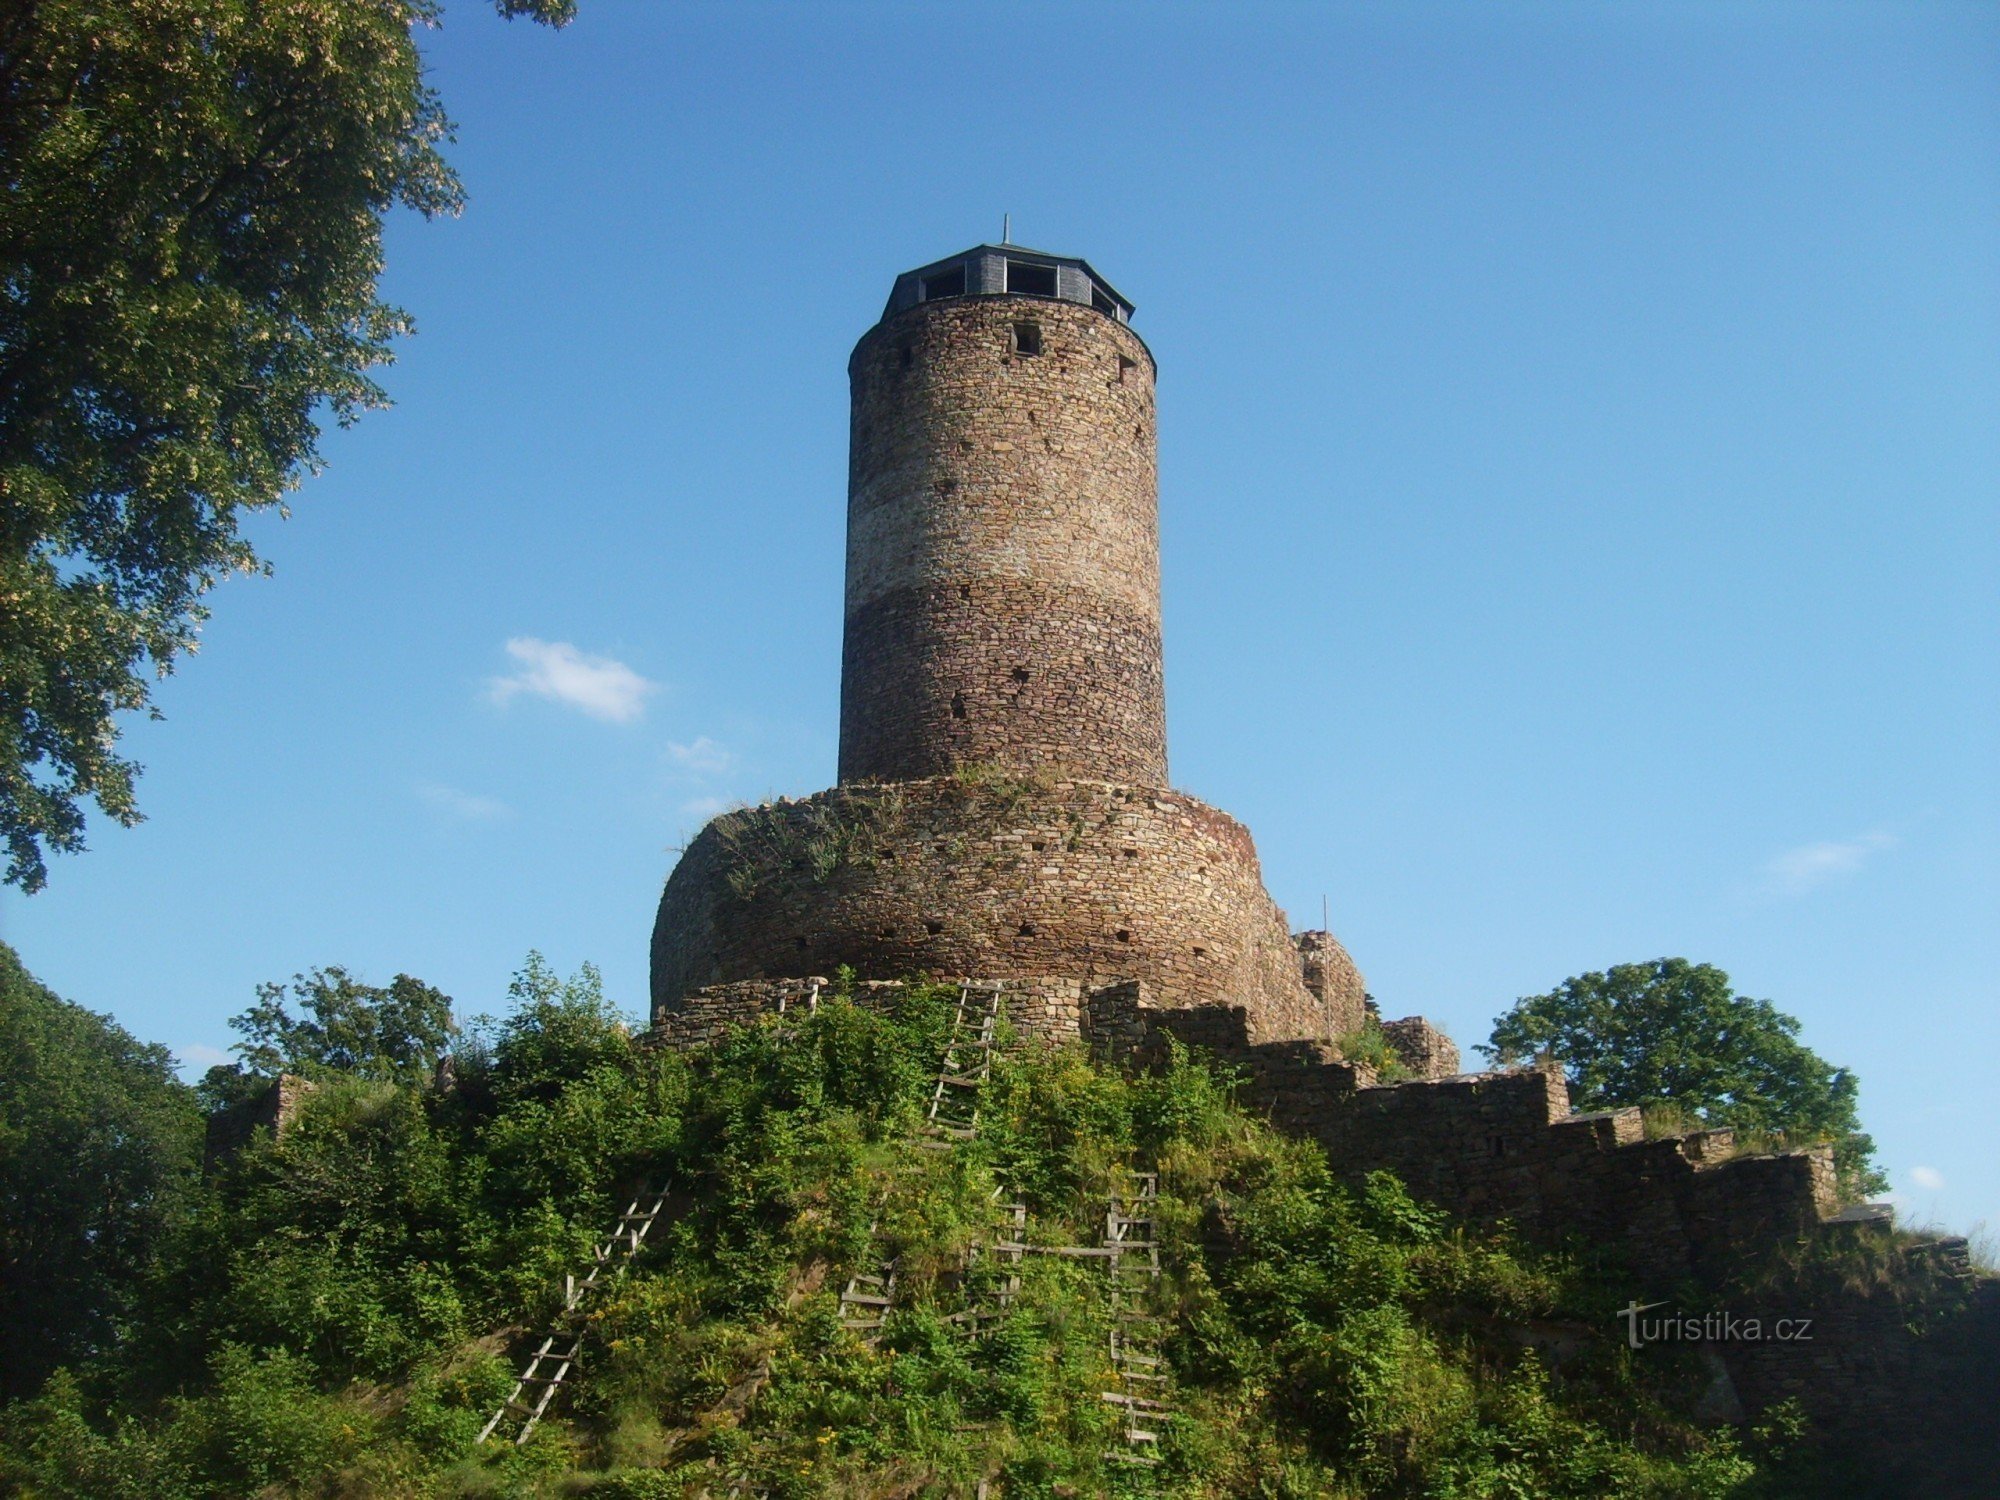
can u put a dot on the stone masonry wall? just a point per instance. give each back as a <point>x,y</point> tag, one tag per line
<point>274,1108</point>
<point>997,879</point>
<point>1423,1049</point>
<point>1331,975</point>
<point>1003,579</point>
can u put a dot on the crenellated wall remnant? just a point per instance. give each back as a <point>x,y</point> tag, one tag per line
<point>1700,1227</point>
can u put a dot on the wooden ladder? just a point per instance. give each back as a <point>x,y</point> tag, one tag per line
<point>867,1298</point>
<point>1139,1377</point>
<point>1008,1243</point>
<point>968,1057</point>
<point>556,1355</point>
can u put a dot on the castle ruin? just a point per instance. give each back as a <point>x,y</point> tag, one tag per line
<point>1003,808</point>
<point>1003,814</point>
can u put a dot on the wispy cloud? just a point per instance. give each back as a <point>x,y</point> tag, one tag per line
<point>704,757</point>
<point>598,685</point>
<point>201,1055</point>
<point>1809,866</point>
<point>467,805</point>
<point>1928,1178</point>
<point>701,809</point>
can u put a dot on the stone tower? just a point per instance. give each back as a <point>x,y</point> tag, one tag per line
<point>1003,556</point>
<point>1003,809</point>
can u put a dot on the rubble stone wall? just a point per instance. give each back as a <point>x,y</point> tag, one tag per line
<point>1003,574</point>
<point>1000,878</point>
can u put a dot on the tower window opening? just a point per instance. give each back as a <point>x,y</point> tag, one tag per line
<point>1125,366</point>
<point>958,705</point>
<point>945,284</point>
<point>1101,302</point>
<point>1027,930</point>
<point>1025,280</point>
<point>1019,674</point>
<point>909,354</point>
<point>1027,338</point>
<point>1124,934</point>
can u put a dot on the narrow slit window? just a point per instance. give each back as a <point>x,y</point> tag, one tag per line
<point>958,705</point>
<point>909,354</point>
<point>1027,338</point>
<point>1025,280</point>
<point>1125,367</point>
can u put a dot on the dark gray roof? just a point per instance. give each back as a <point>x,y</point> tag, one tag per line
<point>986,274</point>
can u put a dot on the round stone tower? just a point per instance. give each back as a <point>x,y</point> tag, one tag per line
<point>1003,809</point>
<point>1003,557</point>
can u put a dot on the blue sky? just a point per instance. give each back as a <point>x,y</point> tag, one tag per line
<point>1578,443</point>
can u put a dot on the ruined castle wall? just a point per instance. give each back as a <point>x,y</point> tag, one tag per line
<point>1330,974</point>
<point>1904,1343</point>
<point>991,879</point>
<point>1003,580</point>
<point>1422,1048</point>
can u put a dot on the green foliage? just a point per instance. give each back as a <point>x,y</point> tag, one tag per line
<point>1673,1035</point>
<point>1370,1045</point>
<point>98,1139</point>
<point>821,837</point>
<point>344,1028</point>
<point>189,244</point>
<point>1324,1341</point>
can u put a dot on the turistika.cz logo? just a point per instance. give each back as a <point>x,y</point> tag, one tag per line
<point>1708,1328</point>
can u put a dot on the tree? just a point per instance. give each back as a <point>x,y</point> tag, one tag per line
<point>190,239</point>
<point>396,1034</point>
<point>1672,1033</point>
<point>97,1139</point>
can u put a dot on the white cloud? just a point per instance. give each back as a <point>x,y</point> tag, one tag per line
<point>1928,1178</point>
<point>467,805</point>
<point>200,1055</point>
<point>1799,870</point>
<point>601,687</point>
<point>704,757</point>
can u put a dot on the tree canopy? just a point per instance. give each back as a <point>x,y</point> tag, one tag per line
<point>394,1033</point>
<point>1674,1033</point>
<point>97,1137</point>
<point>190,239</point>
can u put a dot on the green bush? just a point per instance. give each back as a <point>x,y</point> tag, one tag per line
<point>359,1273</point>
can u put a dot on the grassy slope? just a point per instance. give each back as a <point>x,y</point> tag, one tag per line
<point>323,1321</point>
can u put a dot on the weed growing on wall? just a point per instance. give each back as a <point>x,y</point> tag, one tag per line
<point>821,837</point>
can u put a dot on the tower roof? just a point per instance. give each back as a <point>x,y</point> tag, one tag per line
<point>1008,271</point>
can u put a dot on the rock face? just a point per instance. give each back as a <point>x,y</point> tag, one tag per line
<point>1003,809</point>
